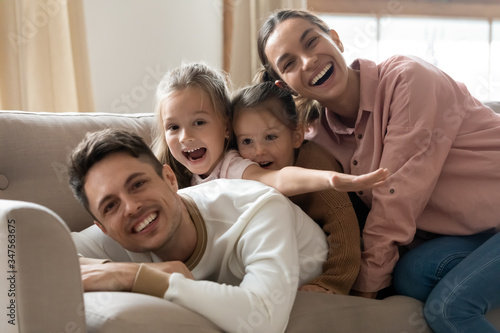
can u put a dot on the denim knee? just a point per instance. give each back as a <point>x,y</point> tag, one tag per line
<point>419,270</point>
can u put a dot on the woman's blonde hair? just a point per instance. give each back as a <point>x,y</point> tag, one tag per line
<point>212,81</point>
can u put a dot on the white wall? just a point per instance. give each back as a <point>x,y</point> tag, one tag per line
<point>132,43</point>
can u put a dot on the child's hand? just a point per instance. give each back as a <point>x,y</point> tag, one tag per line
<point>348,183</point>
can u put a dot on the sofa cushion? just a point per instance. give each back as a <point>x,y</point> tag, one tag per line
<point>122,312</point>
<point>312,312</point>
<point>33,165</point>
<point>495,106</point>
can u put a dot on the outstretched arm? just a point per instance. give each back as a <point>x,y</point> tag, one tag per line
<point>293,180</point>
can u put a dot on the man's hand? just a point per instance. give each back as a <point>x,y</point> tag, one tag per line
<point>109,276</point>
<point>173,267</point>
<point>121,276</point>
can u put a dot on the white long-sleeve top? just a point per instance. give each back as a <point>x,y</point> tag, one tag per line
<point>254,249</point>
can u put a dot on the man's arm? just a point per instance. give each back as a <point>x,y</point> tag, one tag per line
<point>109,276</point>
<point>259,270</point>
<point>259,275</point>
<point>101,275</point>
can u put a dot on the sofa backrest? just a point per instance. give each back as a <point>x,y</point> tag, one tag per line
<point>34,148</point>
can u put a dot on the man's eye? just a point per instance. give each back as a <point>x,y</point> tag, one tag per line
<point>109,207</point>
<point>138,184</point>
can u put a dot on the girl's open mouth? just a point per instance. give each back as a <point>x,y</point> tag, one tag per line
<point>265,164</point>
<point>194,154</point>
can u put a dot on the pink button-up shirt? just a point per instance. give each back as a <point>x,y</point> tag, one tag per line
<point>441,146</point>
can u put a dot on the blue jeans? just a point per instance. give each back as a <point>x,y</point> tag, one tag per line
<point>456,277</point>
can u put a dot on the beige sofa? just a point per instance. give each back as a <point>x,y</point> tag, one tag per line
<point>40,286</point>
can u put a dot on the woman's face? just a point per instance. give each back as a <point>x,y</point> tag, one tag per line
<point>307,59</point>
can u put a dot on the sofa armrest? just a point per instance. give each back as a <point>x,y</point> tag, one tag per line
<point>40,271</point>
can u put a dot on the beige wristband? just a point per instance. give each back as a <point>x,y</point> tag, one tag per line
<point>151,281</point>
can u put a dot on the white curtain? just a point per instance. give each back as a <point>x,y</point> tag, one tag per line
<point>44,62</point>
<point>247,18</point>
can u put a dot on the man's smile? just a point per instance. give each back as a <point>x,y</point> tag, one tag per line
<point>145,223</point>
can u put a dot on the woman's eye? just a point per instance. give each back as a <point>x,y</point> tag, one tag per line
<point>287,66</point>
<point>172,127</point>
<point>312,41</point>
<point>199,122</point>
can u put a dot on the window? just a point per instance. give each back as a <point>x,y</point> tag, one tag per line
<point>465,47</point>
<point>494,82</point>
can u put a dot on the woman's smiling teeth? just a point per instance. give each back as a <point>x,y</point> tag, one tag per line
<point>194,154</point>
<point>146,222</point>
<point>322,77</point>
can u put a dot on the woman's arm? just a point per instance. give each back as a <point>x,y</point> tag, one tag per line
<point>419,126</point>
<point>293,180</point>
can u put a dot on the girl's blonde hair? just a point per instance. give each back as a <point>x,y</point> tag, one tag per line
<point>212,81</point>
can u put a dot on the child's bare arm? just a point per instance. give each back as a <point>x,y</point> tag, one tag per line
<point>349,183</point>
<point>293,180</point>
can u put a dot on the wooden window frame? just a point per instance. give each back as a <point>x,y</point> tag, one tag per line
<point>489,9</point>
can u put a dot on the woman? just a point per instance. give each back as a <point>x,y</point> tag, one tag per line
<point>440,144</point>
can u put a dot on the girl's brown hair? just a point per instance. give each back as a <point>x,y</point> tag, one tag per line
<point>254,95</point>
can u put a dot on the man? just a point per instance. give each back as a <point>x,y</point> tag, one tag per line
<point>224,249</point>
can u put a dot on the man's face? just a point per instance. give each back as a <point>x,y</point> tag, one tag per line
<point>134,205</point>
